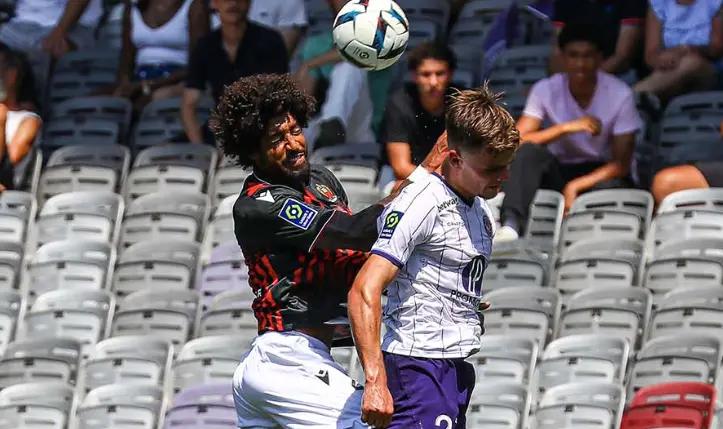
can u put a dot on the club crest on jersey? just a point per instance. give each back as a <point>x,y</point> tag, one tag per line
<point>298,214</point>
<point>326,192</point>
<point>390,224</point>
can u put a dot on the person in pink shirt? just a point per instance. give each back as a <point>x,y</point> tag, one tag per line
<point>578,128</point>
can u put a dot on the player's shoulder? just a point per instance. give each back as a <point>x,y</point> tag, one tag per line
<point>259,198</point>
<point>423,193</point>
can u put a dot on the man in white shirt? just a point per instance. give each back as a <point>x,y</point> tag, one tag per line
<point>589,142</point>
<point>55,26</point>
<point>434,244</point>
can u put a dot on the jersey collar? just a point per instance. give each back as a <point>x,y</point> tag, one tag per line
<point>467,201</point>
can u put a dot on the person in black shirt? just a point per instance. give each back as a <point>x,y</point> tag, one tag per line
<point>303,248</point>
<point>620,23</point>
<point>239,48</point>
<point>414,117</point>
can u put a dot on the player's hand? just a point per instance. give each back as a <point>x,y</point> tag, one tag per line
<point>438,154</point>
<point>588,124</point>
<point>377,405</point>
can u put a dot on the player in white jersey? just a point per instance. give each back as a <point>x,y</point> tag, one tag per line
<point>435,242</point>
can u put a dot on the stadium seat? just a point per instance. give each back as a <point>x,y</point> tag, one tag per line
<point>689,310</point>
<point>228,180</point>
<point>348,359</point>
<point>171,168</point>
<point>120,406</point>
<point>11,264</point>
<point>17,208</point>
<point>517,79</point>
<point>515,264</point>
<point>169,109</point>
<point>40,360</point>
<point>70,82</point>
<point>34,405</point>
<point>483,10</point>
<point>209,406</point>
<point>156,131</point>
<point>498,406</point>
<point>668,405</point>
<point>363,154</point>
<point>582,358</point>
<point>229,313</point>
<point>693,199</point>
<point>27,171</point>
<point>12,306</point>
<point>436,11</point>
<point>117,109</point>
<point>617,311</point>
<point>515,104</point>
<point>595,224</point>
<point>464,78</point>
<point>688,144</point>
<point>634,201</point>
<point>84,168</point>
<point>220,228</point>
<point>545,219</point>
<point>423,30</point>
<point>110,31</point>
<point>576,405</point>
<point>599,263</point>
<point>166,313</point>
<point>164,216</point>
<point>156,264</point>
<point>690,262</point>
<point>82,215</point>
<point>524,55</point>
<point>528,312</point>
<point>684,224</point>
<point>468,55</point>
<point>129,359</point>
<point>688,357</point>
<point>504,359</point>
<point>69,131</point>
<point>696,102</point>
<point>70,264</point>
<point>468,32</point>
<point>211,359</point>
<point>359,183</point>
<point>224,271</point>
<point>78,314</point>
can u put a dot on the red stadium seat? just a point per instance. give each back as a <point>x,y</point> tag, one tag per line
<point>678,405</point>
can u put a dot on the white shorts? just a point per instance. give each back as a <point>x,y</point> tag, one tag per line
<point>290,380</point>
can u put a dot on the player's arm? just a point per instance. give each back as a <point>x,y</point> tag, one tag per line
<point>365,311</point>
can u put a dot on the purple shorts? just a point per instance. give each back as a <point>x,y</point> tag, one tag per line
<point>429,393</point>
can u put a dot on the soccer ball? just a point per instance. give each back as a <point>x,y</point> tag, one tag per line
<point>372,34</point>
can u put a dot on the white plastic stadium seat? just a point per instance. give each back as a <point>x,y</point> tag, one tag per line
<point>207,360</point>
<point>120,406</point>
<point>12,305</point>
<point>576,405</point>
<point>230,313</point>
<point>36,405</point>
<point>498,406</point>
<point>684,310</point>
<point>40,360</point>
<point>505,359</point>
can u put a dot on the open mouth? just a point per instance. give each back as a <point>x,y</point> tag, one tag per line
<point>295,160</point>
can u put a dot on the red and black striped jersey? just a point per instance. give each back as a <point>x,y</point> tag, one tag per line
<point>303,248</point>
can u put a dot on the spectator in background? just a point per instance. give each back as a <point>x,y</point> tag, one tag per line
<point>55,26</point>
<point>18,127</point>
<point>683,40</point>
<point>414,117</point>
<point>239,48</point>
<point>158,36</point>
<point>353,105</point>
<point>288,17</point>
<point>620,23</point>
<point>590,141</point>
<point>704,174</point>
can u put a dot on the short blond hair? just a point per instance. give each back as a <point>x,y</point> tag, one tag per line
<point>476,119</point>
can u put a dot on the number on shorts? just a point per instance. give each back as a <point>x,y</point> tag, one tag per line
<point>443,418</point>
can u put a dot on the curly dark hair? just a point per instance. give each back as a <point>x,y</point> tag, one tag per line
<point>246,107</point>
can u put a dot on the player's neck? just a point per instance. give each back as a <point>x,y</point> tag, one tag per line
<point>452,183</point>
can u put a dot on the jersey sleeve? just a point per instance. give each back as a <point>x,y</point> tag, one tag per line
<point>405,223</point>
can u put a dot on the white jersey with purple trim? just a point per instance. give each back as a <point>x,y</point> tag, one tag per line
<point>442,245</point>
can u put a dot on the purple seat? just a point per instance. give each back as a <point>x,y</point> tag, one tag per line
<point>225,271</point>
<point>208,406</point>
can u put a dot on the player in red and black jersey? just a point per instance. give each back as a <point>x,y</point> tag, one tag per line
<point>303,247</point>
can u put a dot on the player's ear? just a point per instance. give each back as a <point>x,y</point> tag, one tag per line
<point>454,158</point>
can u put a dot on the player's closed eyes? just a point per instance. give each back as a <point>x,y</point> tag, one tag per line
<point>277,139</point>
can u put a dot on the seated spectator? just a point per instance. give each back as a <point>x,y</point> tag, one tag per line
<point>18,127</point>
<point>157,38</point>
<point>590,140</point>
<point>705,174</point>
<point>414,118</point>
<point>288,17</point>
<point>239,48</point>
<point>620,23</point>
<point>353,105</point>
<point>683,39</point>
<point>55,26</point>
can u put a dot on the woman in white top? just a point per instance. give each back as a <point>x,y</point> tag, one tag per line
<point>18,127</point>
<point>157,38</point>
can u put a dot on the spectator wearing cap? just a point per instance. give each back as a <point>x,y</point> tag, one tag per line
<point>589,142</point>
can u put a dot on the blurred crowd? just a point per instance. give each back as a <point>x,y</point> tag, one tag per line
<point>609,68</point>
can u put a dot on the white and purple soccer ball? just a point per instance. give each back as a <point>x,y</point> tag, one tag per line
<point>372,34</point>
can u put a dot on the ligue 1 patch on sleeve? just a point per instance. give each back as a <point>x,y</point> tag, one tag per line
<point>391,220</point>
<point>298,214</point>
